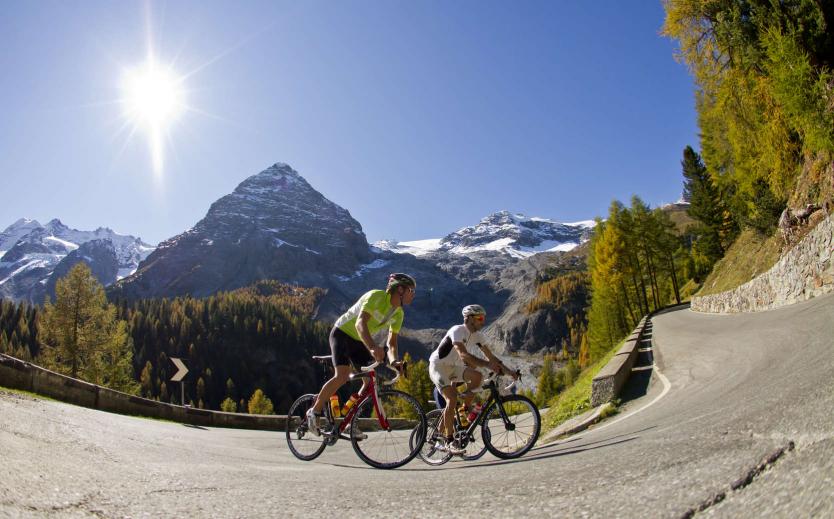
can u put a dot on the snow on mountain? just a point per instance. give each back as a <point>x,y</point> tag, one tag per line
<point>16,231</point>
<point>417,248</point>
<point>30,252</point>
<point>514,234</point>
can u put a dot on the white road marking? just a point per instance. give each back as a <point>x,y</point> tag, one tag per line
<point>666,387</point>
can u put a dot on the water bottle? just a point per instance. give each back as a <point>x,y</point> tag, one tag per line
<point>476,409</point>
<point>334,406</point>
<point>350,403</point>
<point>462,415</point>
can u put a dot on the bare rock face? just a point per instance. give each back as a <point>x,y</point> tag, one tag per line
<point>99,255</point>
<point>33,256</point>
<point>276,226</point>
<point>273,226</point>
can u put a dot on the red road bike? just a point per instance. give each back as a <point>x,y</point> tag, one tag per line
<point>384,424</point>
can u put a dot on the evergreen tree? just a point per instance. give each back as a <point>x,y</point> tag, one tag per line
<point>705,205</point>
<point>547,382</point>
<point>146,380</point>
<point>229,406</point>
<point>81,335</point>
<point>260,404</point>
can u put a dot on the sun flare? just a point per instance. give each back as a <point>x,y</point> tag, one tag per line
<point>153,98</point>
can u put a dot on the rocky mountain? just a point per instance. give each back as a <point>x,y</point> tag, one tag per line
<point>273,226</point>
<point>34,256</point>
<point>513,234</point>
<point>276,226</point>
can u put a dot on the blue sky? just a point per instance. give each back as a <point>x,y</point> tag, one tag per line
<point>417,117</point>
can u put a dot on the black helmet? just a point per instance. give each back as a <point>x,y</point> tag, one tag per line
<point>399,279</point>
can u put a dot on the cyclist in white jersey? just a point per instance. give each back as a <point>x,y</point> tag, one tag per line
<point>446,367</point>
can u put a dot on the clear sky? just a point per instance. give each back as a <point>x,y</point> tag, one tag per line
<point>419,117</point>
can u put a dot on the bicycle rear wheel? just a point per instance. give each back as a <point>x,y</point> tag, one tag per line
<point>429,452</point>
<point>303,443</point>
<point>399,443</point>
<point>476,446</point>
<point>511,426</point>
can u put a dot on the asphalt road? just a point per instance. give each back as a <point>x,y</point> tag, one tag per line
<point>735,401</point>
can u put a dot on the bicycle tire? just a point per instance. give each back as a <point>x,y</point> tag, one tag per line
<point>304,444</point>
<point>427,451</point>
<point>512,439</point>
<point>392,448</point>
<point>476,446</point>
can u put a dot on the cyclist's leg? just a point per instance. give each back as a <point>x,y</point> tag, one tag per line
<point>447,425</point>
<point>473,380</point>
<point>441,375</point>
<point>341,376</point>
<point>340,346</point>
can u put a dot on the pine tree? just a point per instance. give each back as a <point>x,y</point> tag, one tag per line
<point>547,382</point>
<point>146,380</point>
<point>81,336</point>
<point>260,404</point>
<point>228,405</point>
<point>705,205</point>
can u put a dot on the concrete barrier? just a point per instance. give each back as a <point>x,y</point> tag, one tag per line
<point>17,374</point>
<point>609,381</point>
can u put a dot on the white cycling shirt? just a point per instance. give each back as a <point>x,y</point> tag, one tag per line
<point>445,355</point>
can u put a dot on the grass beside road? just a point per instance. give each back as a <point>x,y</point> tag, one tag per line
<point>575,399</point>
<point>21,392</point>
<point>750,255</point>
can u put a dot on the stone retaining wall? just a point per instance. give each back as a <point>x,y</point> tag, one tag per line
<point>609,381</point>
<point>806,271</point>
<point>17,374</point>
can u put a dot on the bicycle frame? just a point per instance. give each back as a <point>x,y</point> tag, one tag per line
<point>494,396</point>
<point>369,392</point>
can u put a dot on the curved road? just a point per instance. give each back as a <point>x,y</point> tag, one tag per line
<point>744,402</point>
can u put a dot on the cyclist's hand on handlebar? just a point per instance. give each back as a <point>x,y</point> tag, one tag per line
<point>378,353</point>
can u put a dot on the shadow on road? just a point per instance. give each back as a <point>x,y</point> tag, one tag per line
<point>553,450</point>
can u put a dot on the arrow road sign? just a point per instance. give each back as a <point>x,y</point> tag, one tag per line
<point>178,376</point>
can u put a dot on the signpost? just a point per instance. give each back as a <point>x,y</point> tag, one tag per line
<point>178,376</point>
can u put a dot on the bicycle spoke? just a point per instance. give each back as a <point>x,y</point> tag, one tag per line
<point>399,443</point>
<point>304,444</point>
<point>516,435</point>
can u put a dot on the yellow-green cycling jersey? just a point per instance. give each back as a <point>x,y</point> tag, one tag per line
<point>378,305</point>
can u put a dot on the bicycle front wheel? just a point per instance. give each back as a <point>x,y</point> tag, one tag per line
<point>396,445</point>
<point>303,443</point>
<point>511,426</point>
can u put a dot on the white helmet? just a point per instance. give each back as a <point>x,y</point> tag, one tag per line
<point>473,310</point>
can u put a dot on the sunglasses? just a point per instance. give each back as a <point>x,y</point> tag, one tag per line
<point>479,317</point>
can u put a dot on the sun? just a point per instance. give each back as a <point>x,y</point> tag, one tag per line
<point>153,97</point>
<point>153,94</point>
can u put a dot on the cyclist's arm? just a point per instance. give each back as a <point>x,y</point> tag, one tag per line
<point>469,359</point>
<point>365,335</point>
<point>494,362</point>
<point>392,347</point>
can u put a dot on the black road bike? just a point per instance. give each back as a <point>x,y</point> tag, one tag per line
<point>509,427</point>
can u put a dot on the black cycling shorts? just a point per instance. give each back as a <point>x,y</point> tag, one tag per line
<point>346,350</point>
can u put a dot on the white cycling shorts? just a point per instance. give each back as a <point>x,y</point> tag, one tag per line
<point>443,374</point>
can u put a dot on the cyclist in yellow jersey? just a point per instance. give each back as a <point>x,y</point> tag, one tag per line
<point>351,340</point>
